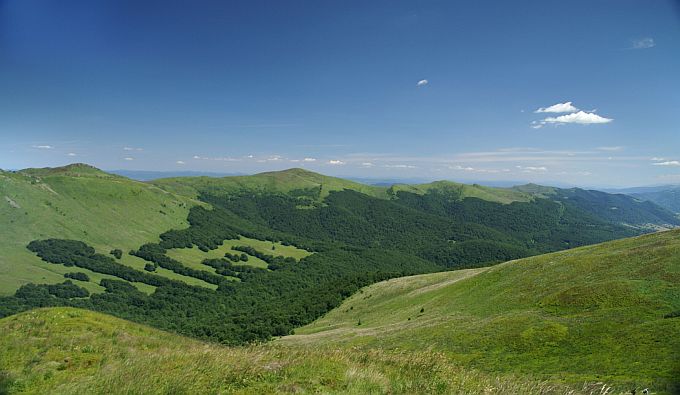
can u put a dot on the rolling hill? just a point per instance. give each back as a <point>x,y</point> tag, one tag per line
<point>605,315</point>
<point>666,197</point>
<point>239,259</point>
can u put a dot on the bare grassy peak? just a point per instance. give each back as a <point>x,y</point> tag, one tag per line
<point>74,169</point>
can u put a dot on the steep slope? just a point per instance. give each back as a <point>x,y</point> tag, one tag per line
<point>70,351</point>
<point>602,312</point>
<point>83,203</point>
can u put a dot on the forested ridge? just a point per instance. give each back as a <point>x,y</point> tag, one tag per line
<point>356,240</point>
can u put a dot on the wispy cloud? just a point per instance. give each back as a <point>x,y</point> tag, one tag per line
<point>335,162</point>
<point>181,162</point>
<point>532,169</point>
<point>218,159</point>
<point>558,108</point>
<point>642,43</point>
<point>71,154</point>
<point>43,146</point>
<point>128,158</point>
<point>611,148</point>
<point>400,166</point>
<point>368,164</point>
<point>422,83</point>
<point>309,160</point>
<point>133,149</point>
<point>667,163</point>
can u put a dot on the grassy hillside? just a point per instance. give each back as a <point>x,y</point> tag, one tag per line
<point>286,181</point>
<point>78,202</point>
<point>70,351</point>
<point>588,314</point>
<point>462,191</point>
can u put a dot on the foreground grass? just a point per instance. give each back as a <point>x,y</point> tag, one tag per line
<point>70,351</point>
<point>589,314</point>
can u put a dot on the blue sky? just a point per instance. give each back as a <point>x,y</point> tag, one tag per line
<point>385,89</point>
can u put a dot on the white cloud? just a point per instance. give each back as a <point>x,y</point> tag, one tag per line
<point>400,166</point>
<point>367,164</point>
<point>667,163</point>
<point>643,43</point>
<point>309,160</point>
<point>611,148</point>
<point>558,108</point>
<point>274,158</point>
<point>132,149</point>
<point>129,158</point>
<point>532,169</point>
<point>180,162</point>
<point>295,160</point>
<point>581,117</point>
<point>657,159</point>
<point>43,147</point>
<point>422,83</point>
<point>335,162</point>
<point>70,154</point>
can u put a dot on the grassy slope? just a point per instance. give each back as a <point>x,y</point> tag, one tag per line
<point>593,313</point>
<point>70,351</point>
<point>82,203</point>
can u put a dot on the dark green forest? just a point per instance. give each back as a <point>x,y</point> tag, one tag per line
<point>356,240</point>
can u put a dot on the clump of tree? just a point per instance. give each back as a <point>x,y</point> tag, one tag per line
<point>117,253</point>
<point>273,262</point>
<point>80,276</point>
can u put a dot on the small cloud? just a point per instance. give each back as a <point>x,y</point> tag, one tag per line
<point>129,158</point>
<point>422,83</point>
<point>558,108</point>
<point>43,146</point>
<point>643,43</point>
<point>309,160</point>
<point>70,154</point>
<point>250,156</point>
<point>400,166</point>
<point>667,163</point>
<point>657,159</point>
<point>132,149</point>
<point>611,149</point>
<point>295,160</point>
<point>180,162</point>
<point>367,164</point>
<point>581,117</point>
<point>335,162</point>
<point>274,158</point>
